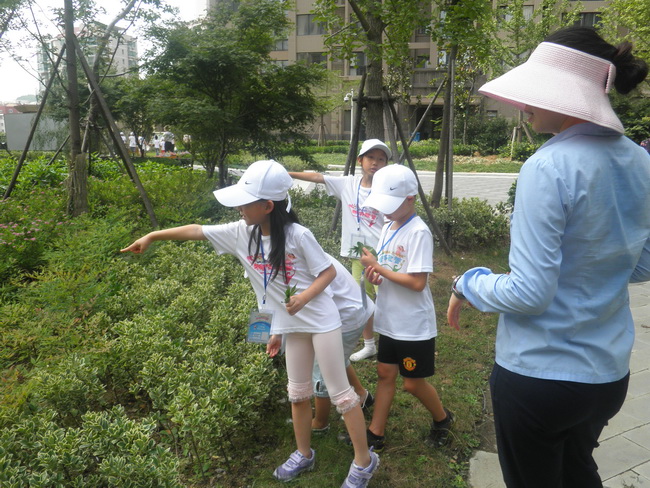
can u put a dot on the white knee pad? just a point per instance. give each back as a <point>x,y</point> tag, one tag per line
<point>299,392</point>
<point>346,400</point>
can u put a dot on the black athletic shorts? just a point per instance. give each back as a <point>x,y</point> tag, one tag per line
<point>416,359</point>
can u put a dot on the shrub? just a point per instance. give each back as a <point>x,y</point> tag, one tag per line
<point>28,225</point>
<point>487,134</point>
<point>520,151</point>
<point>70,388</point>
<point>472,224</point>
<point>183,351</point>
<point>36,171</point>
<point>108,449</point>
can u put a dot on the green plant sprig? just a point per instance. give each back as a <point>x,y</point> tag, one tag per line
<point>289,292</point>
<point>358,249</point>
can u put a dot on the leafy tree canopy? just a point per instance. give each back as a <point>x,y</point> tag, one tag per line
<point>216,81</point>
<point>628,20</point>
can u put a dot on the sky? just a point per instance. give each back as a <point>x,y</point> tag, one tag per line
<point>17,79</point>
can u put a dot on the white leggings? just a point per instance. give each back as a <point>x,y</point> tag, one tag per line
<point>327,347</point>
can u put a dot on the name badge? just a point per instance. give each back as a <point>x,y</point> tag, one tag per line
<point>259,326</point>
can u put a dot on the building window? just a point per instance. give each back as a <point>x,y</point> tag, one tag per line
<point>358,65</point>
<point>281,45</point>
<point>527,12</point>
<point>421,59</point>
<point>282,63</point>
<point>442,59</point>
<point>589,19</point>
<point>491,114</point>
<point>306,25</point>
<point>312,58</point>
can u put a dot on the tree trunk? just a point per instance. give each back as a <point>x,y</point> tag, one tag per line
<point>77,179</point>
<point>374,81</point>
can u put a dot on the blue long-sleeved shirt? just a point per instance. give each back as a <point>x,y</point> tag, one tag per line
<point>580,232</point>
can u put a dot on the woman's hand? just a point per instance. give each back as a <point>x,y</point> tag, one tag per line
<point>274,344</point>
<point>453,311</point>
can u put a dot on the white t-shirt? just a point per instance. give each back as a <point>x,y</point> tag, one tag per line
<point>400,313</point>
<point>346,293</point>
<point>366,223</point>
<point>305,259</point>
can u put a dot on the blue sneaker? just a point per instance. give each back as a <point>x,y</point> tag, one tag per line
<point>296,464</point>
<point>359,477</point>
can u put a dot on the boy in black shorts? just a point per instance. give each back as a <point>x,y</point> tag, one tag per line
<point>404,315</point>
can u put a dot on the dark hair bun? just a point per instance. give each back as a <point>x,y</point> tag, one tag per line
<point>630,70</point>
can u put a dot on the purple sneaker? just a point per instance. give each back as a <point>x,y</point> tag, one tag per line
<point>359,477</point>
<point>296,464</point>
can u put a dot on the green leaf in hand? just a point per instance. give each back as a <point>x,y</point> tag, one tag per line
<point>358,249</point>
<point>289,292</point>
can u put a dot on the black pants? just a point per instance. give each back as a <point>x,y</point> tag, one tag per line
<point>547,429</point>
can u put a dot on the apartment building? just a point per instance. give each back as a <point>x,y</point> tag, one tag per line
<point>123,50</point>
<point>306,43</point>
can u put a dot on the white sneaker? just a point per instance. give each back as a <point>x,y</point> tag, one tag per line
<point>365,353</point>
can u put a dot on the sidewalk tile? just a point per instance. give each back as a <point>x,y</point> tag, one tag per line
<point>617,455</point>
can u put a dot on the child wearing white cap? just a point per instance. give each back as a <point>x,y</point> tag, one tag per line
<point>404,314</point>
<point>278,254</point>
<point>580,233</point>
<point>360,223</point>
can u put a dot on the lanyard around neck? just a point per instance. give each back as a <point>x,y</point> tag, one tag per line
<point>266,278</point>
<point>359,208</point>
<point>385,243</point>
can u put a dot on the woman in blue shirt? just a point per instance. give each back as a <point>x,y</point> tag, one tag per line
<point>580,233</point>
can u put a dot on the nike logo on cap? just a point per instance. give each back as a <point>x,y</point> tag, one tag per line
<point>247,182</point>
<point>391,188</point>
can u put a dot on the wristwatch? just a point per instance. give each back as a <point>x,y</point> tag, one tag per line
<point>456,293</point>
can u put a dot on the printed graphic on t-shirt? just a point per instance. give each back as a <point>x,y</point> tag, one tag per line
<point>393,260</point>
<point>367,214</point>
<point>260,264</point>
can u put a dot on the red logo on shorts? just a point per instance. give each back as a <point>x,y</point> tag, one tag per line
<point>409,364</point>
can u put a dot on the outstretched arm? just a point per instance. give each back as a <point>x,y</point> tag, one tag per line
<point>193,232</point>
<point>308,176</point>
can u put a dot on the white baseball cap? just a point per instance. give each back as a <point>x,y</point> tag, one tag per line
<point>263,180</point>
<point>390,187</point>
<point>371,144</point>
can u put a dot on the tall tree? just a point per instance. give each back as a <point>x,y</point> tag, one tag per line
<point>465,31</point>
<point>521,28</point>
<point>382,30</point>
<point>217,83</point>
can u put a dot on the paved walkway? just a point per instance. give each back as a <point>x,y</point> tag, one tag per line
<point>492,187</point>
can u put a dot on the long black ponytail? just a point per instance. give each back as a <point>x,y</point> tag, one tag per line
<point>279,219</point>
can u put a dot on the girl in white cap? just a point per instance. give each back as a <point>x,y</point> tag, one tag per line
<point>278,254</point>
<point>360,223</point>
<point>580,233</point>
